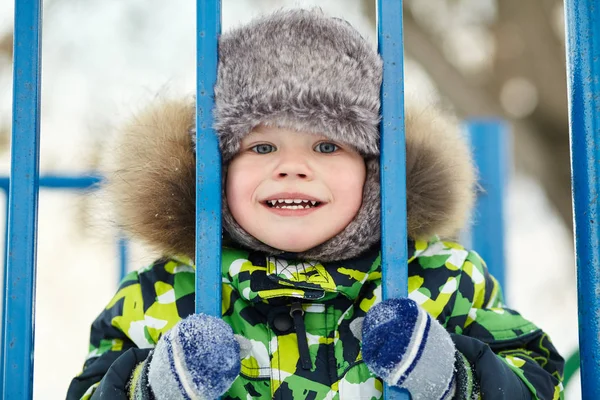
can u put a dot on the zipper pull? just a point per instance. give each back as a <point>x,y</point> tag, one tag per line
<point>297,313</point>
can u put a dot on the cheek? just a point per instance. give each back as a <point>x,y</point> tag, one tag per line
<point>353,180</point>
<point>349,184</point>
<point>355,191</point>
<point>237,188</point>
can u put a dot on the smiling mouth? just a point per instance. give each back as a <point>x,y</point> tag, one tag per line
<point>292,204</point>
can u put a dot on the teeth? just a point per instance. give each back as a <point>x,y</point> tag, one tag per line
<point>298,204</point>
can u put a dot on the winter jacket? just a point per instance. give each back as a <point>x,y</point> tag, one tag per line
<point>509,357</point>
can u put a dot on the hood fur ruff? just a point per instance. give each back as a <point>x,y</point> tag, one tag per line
<point>154,191</point>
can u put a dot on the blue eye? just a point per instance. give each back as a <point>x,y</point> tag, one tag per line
<point>326,147</point>
<point>263,148</point>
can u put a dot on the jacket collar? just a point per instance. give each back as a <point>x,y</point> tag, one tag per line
<point>259,277</point>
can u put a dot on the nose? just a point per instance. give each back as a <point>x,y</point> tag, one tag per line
<point>293,165</point>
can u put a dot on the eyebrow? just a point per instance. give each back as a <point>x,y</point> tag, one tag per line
<point>316,136</point>
<point>255,133</point>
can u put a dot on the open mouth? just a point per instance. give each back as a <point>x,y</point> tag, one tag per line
<point>292,204</point>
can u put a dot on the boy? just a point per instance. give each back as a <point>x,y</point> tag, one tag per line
<point>297,114</point>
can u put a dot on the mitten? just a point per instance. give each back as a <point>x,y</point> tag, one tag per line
<point>198,359</point>
<point>406,347</point>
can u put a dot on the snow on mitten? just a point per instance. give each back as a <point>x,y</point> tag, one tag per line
<point>199,359</point>
<point>403,345</point>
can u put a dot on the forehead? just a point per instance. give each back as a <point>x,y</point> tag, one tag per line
<point>266,130</point>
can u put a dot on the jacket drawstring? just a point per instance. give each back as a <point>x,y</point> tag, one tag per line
<point>297,313</point>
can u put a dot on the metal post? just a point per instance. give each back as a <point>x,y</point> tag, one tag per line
<point>64,182</point>
<point>208,163</point>
<point>19,300</point>
<point>123,255</point>
<point>4,279</point>
<point>75,182</point>
<point>582,21</point>
<point>489,144</point>
<point>393,160</point>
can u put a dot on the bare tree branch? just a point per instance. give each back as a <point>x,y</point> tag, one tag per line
<point>6,40</point>
<point>541,58</point>
<point>546,160</point>
<point>6,45</point>
<point>541,145</point>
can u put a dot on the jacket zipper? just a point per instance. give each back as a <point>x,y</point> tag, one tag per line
<point>297,313</point>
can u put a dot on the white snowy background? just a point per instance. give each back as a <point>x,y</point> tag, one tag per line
<point>103,60</point>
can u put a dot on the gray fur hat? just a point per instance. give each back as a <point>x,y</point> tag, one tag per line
<point>301,70</point>
<point>305,71</point>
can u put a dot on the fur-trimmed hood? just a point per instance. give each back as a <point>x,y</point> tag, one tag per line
<point>153,184</point>
<point>301,70</point>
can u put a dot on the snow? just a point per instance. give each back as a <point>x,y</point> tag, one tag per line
<point>407,347</point>
<point>387,331</point>
<point>205,355</point>
<point>103,60</point>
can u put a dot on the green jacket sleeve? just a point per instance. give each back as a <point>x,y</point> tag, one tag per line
<point>148,303</point>
<point>109,340</point>
<point>522,347</point>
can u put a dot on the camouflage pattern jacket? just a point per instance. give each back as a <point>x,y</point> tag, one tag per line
<point>510,357</point>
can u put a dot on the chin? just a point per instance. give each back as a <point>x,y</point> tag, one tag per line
<point>293,242</point>
<point>292,247</point>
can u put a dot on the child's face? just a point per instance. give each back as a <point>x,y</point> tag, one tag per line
<point>281,164</point>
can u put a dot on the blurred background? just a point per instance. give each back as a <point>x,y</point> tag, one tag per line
<point>105,59</point>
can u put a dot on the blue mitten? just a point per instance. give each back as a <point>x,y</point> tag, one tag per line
<point>406,347</point>
<point>199,359</point>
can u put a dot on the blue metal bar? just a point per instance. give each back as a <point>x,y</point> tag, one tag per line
<point>123,255</point>
<point>78,182</point>
<point>208,163</point>
<point>489,143</point>
<point>393,160</point>
<point>582,20</point>
<point>75,182</point>
<point>19,300</point>
<point>68,182</point>
<point>4,280</point>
